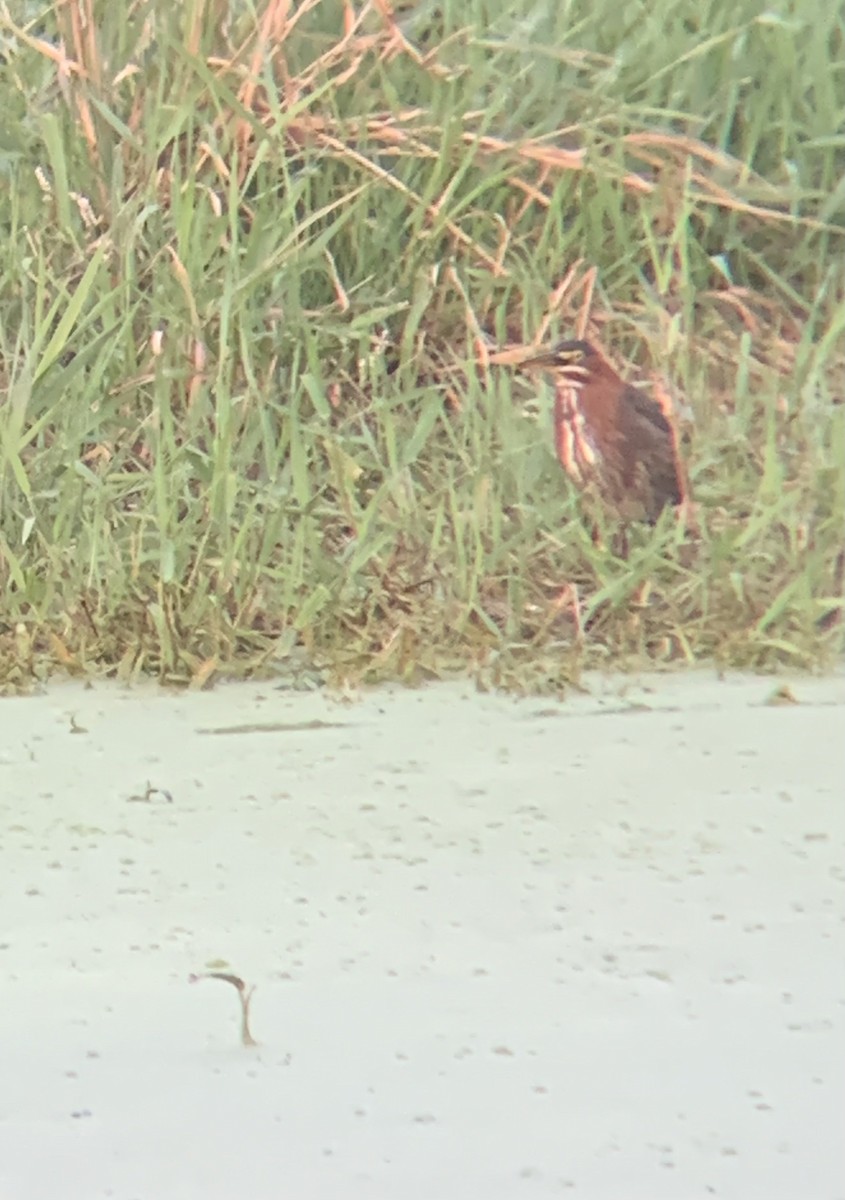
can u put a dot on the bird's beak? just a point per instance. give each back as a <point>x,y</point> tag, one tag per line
<point>538,362</point>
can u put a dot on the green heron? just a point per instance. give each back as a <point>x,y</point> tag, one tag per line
<point>609,436</point>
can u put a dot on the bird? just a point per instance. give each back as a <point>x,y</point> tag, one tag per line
<point>610,437</point>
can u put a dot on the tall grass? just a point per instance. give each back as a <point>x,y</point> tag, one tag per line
<point>262,270</point>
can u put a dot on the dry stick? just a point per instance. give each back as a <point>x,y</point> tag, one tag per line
<point>244,995</point>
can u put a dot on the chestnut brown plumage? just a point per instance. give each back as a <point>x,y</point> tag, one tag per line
<point>609,436</point>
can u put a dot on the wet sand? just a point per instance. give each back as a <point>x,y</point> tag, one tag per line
<point>501,948</point>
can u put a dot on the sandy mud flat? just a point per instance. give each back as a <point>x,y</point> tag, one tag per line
<point>500,948</point>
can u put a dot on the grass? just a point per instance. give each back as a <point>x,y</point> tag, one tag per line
<point>256,263</point>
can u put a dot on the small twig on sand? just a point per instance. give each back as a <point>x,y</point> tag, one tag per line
<point>244,995</point>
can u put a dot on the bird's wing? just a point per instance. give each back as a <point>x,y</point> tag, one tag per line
<point>646,410</point>
<point>651,443</point>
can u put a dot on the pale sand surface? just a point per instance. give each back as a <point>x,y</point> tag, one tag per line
<point>501,948</point>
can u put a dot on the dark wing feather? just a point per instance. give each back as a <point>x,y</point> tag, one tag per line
<point>650,452</point>
<point>646,411</point>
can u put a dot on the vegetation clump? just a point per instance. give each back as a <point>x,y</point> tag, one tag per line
<point>262,268</point>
